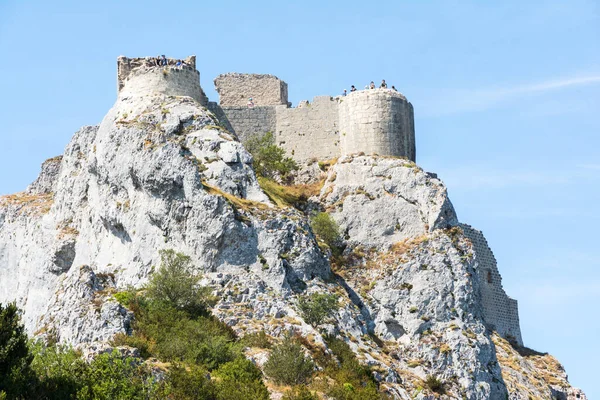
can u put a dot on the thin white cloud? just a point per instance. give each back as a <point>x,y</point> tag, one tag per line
<point>594,167</point>
<point>462,101</point>
<point>549,85</point>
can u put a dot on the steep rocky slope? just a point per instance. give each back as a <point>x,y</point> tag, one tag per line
<point>160,173</point>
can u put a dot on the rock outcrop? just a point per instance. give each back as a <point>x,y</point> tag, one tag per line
<point>160,172</point>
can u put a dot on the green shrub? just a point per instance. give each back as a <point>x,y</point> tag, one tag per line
<point>269,159</point>
<point>299,393</point>
<point>15,360</point>
<point>174,335</point>
<point>434,384</point>
<point>258,339</point>
<point>127,297</point>
<point>353,381</point>
<point>326,229</point>
<point>240,379</point>
<point>175,283</point>
<point>187,383</point>
<point>288,365</point>
<point>318,308</point>
<point>60,370</point>
<point>111,376</point>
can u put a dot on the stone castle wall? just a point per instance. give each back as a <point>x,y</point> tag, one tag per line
<point>139,77</point>
<point>500,311</point>
<point>311,130</point>
<point>377,121</point>
<point>244,121</point>
<point>265,90</point>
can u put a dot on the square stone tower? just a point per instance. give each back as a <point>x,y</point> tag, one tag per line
<point>265,90</point>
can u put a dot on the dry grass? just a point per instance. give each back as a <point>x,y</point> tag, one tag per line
<point>30,204</point>
<point>235,201</point>
<point>521,366</point>
<point>289,196</point>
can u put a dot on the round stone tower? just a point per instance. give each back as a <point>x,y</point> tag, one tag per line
<point>377,121</point>
<point>141,76</point>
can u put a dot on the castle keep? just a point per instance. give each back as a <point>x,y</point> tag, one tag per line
<point>376,121</point>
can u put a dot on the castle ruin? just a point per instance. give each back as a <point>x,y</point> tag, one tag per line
<point>375,121</point>
<point>370,121</point>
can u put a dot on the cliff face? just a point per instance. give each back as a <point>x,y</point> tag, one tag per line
<point>160,173</point>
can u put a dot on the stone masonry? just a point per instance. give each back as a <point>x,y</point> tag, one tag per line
<point>500,311</point>
<point>374,121</point>
<point>265,90</point>
<point>139,76</point>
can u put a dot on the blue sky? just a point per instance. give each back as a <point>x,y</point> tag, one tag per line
<point>506,97</point>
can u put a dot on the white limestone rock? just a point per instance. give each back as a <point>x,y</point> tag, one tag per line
<point>379,201</point>
<point>159,173</point>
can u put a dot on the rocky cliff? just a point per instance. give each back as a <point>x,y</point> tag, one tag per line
<point>159,172</point>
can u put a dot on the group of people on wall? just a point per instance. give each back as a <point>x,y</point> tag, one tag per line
<point>162,61</point>
<point>383,85</point>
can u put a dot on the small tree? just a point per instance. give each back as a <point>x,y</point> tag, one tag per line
<point>288,365</point>
<point>269,159</point>
<point>176,284</point>
<point>15,359</point>
<point>317,308</point>
<point>326,229</point>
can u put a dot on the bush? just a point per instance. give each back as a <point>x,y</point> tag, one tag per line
<point>318,307</point>
<point>288,365</point>
<point>240,379</point>
<point>258,339</point>
<point>15,359</point>
<point>353,381</point>
<point>326,229</point>
<point>60,370</point>
<point>269,159</point>
<point>187,383</point>
<point>434,384</point>
<point>111,376</point>
<point>175,283</point>
<point>300,393</point>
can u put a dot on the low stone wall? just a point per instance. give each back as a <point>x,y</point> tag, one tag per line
<point>311,130</point>
<point>500,311</point>
<point>265,90</point>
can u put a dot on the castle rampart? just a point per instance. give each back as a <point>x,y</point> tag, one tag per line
<point>500,311</point>
<point>141,76</point>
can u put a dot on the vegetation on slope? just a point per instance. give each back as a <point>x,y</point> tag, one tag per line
<point>186,353</point>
